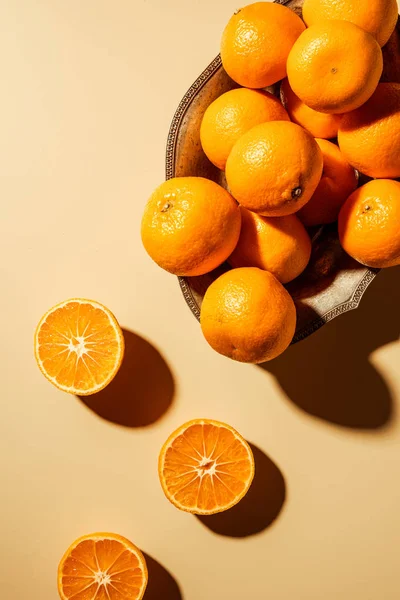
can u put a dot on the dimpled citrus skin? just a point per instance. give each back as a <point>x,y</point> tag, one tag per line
<point>256,43</point>
<point>280,245</point>
<point>334,66</point>
<point>320,125</point>
<point>369,137</point>
<point>378,17</point>
<point>248,315</point>
<point>338,181</point>
<point>274,168</point>
<point>231,115</point>
<point>369,224</point>
<point>190,225</point>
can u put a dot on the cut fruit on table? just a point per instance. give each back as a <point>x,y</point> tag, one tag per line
<point>205,467</point>
<point>102,566</point>
<point>79,346</point>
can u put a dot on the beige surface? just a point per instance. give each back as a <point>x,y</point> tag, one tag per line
<point>88,91</point>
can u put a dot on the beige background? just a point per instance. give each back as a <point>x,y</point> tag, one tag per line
<point>89,88</point>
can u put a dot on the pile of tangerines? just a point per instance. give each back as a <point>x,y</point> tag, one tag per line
<point>282,173</point>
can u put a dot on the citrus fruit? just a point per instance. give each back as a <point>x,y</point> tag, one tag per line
<point>248,315</point>
<point>190,225</point>
<point>205,467</point>
<point>280,245</point>
<point>320,125</point>
<point>256,43</point>
<point>102,566</point>
<point>369,137</point>
<point>274,168</point>
<point>334,66</point>
<point>378,17</point>
<point>79,346</point>
<point>338,181</point>
<point>231,115</point>
<point>369,224</point>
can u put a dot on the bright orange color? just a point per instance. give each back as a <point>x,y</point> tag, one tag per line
<point>205,467</point>
<point>274,168</point>
<point>231,115</point>
<point>102,566</point>
<point>335,66</point>
<point>338,181</point>
<point>369,137</point>
<point>257,41</point>
<point>79,346</point>
<point>190,225</point>
<point>248,315</point>
<point>378,17</point>
<point>369,224</point>
<point>280,245</point>
<point>320,125</point>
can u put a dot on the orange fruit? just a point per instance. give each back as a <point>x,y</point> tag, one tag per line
<point>280,245</point>
<point>369,137</point>
<point>334,66</point>
<point>320,125</point>
<point>378,17</point>
<point>205,467</point>
<point>231,115</point>
<point>190,225</point>
<point>256,43</point>
<point>79,346</point>
<point>369,224</point>
<point>338,181</point>
<point>248,315</point>
<point>102,566</point>
<point>274,168</point>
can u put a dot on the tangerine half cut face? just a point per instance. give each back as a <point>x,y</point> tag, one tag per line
<point>102,566</point>
<point>79,346</point>
<point>205,467</point>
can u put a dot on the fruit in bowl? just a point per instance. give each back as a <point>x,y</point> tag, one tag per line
<point>293,158</point>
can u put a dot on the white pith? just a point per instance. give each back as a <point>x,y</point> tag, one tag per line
<point>78,344</point>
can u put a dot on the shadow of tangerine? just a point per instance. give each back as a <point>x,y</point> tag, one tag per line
<point>259,508</point>
<point>329,375</point>
<point>141,392</point>
<point>161,584</point>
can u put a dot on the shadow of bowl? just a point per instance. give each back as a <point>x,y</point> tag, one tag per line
<point>329,374</point>
<point>161,584</point>
<point>141,392</point>
<point>259,508</point>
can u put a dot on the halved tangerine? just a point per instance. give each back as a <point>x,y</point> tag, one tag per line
<point>79,346</point>
<point>205,467</point>
<point>102,566</point>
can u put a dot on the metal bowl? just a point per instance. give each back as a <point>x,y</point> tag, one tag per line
<point>333,283</point>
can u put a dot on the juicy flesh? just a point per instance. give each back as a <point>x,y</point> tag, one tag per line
<point>78,346</point>
<point>102,570</point>
<point>206,468</point>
